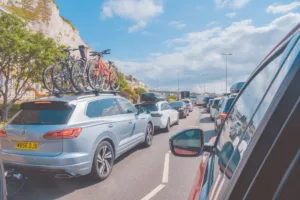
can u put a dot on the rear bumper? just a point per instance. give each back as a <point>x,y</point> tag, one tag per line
<point>72,163</point>
<point>159,122</point>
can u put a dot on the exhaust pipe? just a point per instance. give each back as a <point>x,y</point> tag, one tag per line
<point>63,176</point>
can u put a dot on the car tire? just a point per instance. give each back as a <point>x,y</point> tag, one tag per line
<point>167,129</point>
<point>103,161</point>
<point>149,135</point>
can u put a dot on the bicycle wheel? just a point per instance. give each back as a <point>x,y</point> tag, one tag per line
<point>114,80</point>
<point>47,78</point>
<point>61,78</point>
<point>79,76</point>
<point>94,75</point>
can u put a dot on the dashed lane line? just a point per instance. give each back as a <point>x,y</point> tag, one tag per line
<point>165,177</point>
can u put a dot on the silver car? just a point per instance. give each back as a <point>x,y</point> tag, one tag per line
<point>73,136</point>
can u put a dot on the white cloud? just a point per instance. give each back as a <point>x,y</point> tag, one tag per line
<point>138,11</point>
<point>231,3</point>
<point>201,52</point>
<point>231,15</point>
<point>285,8</point>
<point>211,24</point>
<point>177,25</point>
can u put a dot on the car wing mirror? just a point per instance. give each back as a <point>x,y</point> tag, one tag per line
<point>148,111</point>
<point>187,143</point>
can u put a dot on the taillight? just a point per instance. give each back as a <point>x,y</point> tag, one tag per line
<point>223,115</point>
<point>2,133</point>
<point>63,134</point>
<point>156,114</point>
<point>181,109</point>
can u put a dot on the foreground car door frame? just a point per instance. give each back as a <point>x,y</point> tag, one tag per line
<point>240,181</point>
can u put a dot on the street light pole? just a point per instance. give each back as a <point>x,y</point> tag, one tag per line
<point>178,83</point>
<point>204,82</point>
<point>226,54</point>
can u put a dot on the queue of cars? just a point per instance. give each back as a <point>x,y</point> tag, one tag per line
<point>255,154</point>
<point>164,114</point>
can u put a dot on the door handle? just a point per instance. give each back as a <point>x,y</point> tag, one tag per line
<point>110,125</point>
<point>130,122</point>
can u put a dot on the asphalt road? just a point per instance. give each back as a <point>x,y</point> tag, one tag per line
<point>141,174</point>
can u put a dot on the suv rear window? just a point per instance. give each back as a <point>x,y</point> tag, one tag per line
<point>145,107</point>
<point>176,104</point>
<point>43,113</point>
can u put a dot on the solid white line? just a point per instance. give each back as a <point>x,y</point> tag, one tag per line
<point>165,177</point>
<point>154,192</point>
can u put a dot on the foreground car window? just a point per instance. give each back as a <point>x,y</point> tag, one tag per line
<point>242,112</point>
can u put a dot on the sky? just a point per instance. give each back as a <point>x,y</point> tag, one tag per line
<point>157,40</point>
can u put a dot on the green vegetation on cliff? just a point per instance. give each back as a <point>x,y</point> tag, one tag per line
<point>41,12</point>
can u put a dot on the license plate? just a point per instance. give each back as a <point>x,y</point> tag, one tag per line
<point>27,145</point>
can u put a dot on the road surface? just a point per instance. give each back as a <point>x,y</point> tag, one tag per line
<point>141,174</point>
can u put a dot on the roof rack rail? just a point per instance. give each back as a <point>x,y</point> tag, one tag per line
<point>90,92</point>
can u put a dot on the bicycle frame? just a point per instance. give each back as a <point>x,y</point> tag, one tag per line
<point>105,70</point>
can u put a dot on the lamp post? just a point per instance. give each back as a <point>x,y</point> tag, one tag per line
<point>226,54</point>
<point>204,82</point>
<point>178,83</point>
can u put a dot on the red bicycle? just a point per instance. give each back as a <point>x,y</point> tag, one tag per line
<point>103,77</point>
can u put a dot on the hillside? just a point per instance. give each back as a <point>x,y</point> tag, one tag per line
<point>43,16</point>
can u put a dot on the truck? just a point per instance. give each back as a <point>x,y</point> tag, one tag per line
<point>185,94</point>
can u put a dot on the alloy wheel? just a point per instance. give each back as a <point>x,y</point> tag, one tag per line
<point>104,160</point>
<point>149,136</point>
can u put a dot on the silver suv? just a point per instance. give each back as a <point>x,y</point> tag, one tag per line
<point>71,136</point>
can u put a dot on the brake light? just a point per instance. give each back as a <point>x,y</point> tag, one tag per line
<point>63,134</point>
<point>156,114</point>
<point>223,115</point>
<point>42,102</point>
<point>2,133</point>
<point>181,109</point>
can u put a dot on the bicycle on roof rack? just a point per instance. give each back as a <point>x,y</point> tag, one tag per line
<point>60,73</point>
<point>103,77</point>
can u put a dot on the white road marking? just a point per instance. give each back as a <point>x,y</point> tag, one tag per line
<point>165,177</point>
<point>154,192</point>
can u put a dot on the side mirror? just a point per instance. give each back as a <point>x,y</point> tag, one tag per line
<point>188,143</point>
<point>148,111</point>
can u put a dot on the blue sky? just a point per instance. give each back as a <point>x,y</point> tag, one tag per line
<point>151,39</point>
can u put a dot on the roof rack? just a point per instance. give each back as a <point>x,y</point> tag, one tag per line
<point>90,92</point>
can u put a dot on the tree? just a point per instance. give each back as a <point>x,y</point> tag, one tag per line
<point>172,98</point>
<point>23,56</point>
<point>123,83</point>
<point>140,91</point>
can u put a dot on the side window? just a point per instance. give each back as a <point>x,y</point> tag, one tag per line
<point>232,143</point>
<point>93,109</point>
<point>103,108</point>
<point>126,106</point>
<point>109,107</point>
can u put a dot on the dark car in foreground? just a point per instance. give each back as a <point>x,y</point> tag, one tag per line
<point>180,107</point>
<point>256,153</point>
